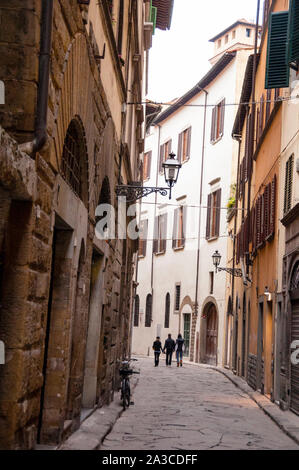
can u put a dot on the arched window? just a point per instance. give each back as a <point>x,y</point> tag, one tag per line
<point>136,311</point>
<point>167,310</point>
<point>148,311</point>
<point>74,162</point>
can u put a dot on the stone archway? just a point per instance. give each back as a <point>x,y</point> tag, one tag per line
<point>294,334</point>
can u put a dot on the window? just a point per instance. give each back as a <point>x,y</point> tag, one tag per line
<point>288,184</point>
<point>142,238</point>
<point>226,39</point>
<point>263,216</point>
<point>219,43</point>
<point>147,165</point>
<point>167,310</point>
<point>184,145</point>
<point>211,282</point>
<point>177,297</point>
<point>165,150</point>
<point>234,34</point>
<point>277,70</point>
<point>160,234</point>
<point>148,311</point>
<point>217,126</point>
<point>179,227</point>
<point>248,32</point>
<point>120,27</point>
<point>213,214</point>
<point>136,311</point>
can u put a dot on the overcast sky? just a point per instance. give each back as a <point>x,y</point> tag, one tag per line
<point>179,57</point>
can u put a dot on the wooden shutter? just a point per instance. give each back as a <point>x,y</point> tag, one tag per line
<point>213,124</point>
<point>149,163</point>
<point>156,235</point>
<point>277,70</point>
<point>222,110</point>
<point>293,29</point>
<point>189,143</point>
<point>268,105</point>
<point>288,185</point>
<point>257,126</point>
<point>266,210</point>
<point>258,222</point>
<point>175,228</point>
<point>184,225</point>
<point>179,156</point>
<point>218,212</point>
<point>161,158</point>
<point>273,206</point>
<point>164,241</point>
<point>209,210</point>
<point>261,123</point>
<point>247,143</point>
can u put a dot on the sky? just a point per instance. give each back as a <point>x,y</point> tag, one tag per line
<point>179,57</point>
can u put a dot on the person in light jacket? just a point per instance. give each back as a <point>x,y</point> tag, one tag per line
<point>179,348</point>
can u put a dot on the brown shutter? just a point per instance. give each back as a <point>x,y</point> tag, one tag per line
<point>164,233</point>
<point>189,143</point>
<point>184,225</point>
<point>213,124</point>
<point>273,204</point>
<point>144,233</point>
<point>250,145</point>
<point>179,155</point>
<point>175,228</point>
<point>218,212</point>
<point>208,226</point>
<point>257,127</point>
<point>262,105</point>
<point>268,105</point>
<point>149,162</point>
<point>156,235</point>
<point>222,117</point>
<point>161,158</point>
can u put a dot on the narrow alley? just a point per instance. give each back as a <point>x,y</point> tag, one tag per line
<point>193,407</point>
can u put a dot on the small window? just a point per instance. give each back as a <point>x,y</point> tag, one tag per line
<point>248,32</point>
<point>148,311</point>
<point>160,234</point>
<point>142,238</point>
<point>136,311</point>
<point>211,282</point>
<point>288,184</point>
<point>167,310</point>
<point>234,34</point>
<point>217,126</point>
<point>177,297</point>
<point>226,39</point>
<point>213,214</point>
<point>179,224</point>
<point>219,43</point>
<point>165,150</point>
<point>184,145</point>
<point>147,165</point>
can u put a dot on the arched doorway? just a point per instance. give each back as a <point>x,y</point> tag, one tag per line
<point>211,335</point>
<point>294,295</point>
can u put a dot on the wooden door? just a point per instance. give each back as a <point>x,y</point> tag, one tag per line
<point>212,335</point>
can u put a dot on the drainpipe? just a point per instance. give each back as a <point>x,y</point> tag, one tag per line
<point>155,211</point>
<point>200,204</point>
<point>40,133</point>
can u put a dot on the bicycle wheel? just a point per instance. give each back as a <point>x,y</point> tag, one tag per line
<point>127,395</point>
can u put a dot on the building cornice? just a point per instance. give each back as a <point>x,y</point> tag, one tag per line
<point>290,216</point>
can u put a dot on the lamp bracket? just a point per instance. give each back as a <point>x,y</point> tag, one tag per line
<point>233,271</point>
<point>134,191</point>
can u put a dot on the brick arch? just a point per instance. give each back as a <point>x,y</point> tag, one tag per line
<point>187,301</point>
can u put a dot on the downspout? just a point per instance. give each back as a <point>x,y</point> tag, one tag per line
<point>200,210</point>
<point>40,133</point>
<point>155,211</point>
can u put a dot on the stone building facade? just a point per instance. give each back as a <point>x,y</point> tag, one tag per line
<point>67,139</point>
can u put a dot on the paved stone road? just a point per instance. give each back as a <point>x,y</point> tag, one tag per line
<point>192,408</point>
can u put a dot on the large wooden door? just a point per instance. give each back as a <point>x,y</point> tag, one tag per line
<point>212,335</point>
<point>294,405</point>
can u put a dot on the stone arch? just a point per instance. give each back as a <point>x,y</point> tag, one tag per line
<point>208,305</point>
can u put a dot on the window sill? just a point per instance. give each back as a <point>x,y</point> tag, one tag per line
<point>141,256</point>
<point>178,248</point>
<point>185,161</point>
<point>211,239</point>
<point>160,253</point>
<point>217,140</point>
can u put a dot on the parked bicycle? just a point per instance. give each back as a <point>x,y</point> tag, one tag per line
<point>125,372</point>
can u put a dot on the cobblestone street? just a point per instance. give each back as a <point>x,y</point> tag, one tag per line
<point>193,407</point>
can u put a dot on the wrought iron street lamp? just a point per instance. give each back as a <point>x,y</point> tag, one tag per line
<point>135,191</point>
<point>216,261</point>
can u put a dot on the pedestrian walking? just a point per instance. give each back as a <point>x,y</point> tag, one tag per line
<point>169,347</point>
<point>157,347</point>
<point>179,348</point>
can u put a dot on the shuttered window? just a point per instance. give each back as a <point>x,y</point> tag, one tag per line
<point>217,125</point>
<point>179,227</point>
<point>148,310</point>
<point>136,311</point>
<point>147,159</point>
<point>165,150</point>
<point>268,105</point>
<point>277,70</point>
<point>293,50</point>
<point>160,234</point>
<point>213,214</point>
<point>143,238</point>
<point>177,297</point>
<point>288,184</point>
<point>167,310</point>
<point>184,145</point>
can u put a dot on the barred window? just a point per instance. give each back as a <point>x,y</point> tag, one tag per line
<point>148,311</point>
<point>167,310</point>
<point>136,311</point>
<point>177,297</point>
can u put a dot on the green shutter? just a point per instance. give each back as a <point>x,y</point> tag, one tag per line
<point>154,17</point>
<point>293,49</point>
<point>277,69</point>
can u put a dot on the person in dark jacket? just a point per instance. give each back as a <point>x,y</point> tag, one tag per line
<point>157,347</point>
<point>179,347</point>
<point>169,347</point>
